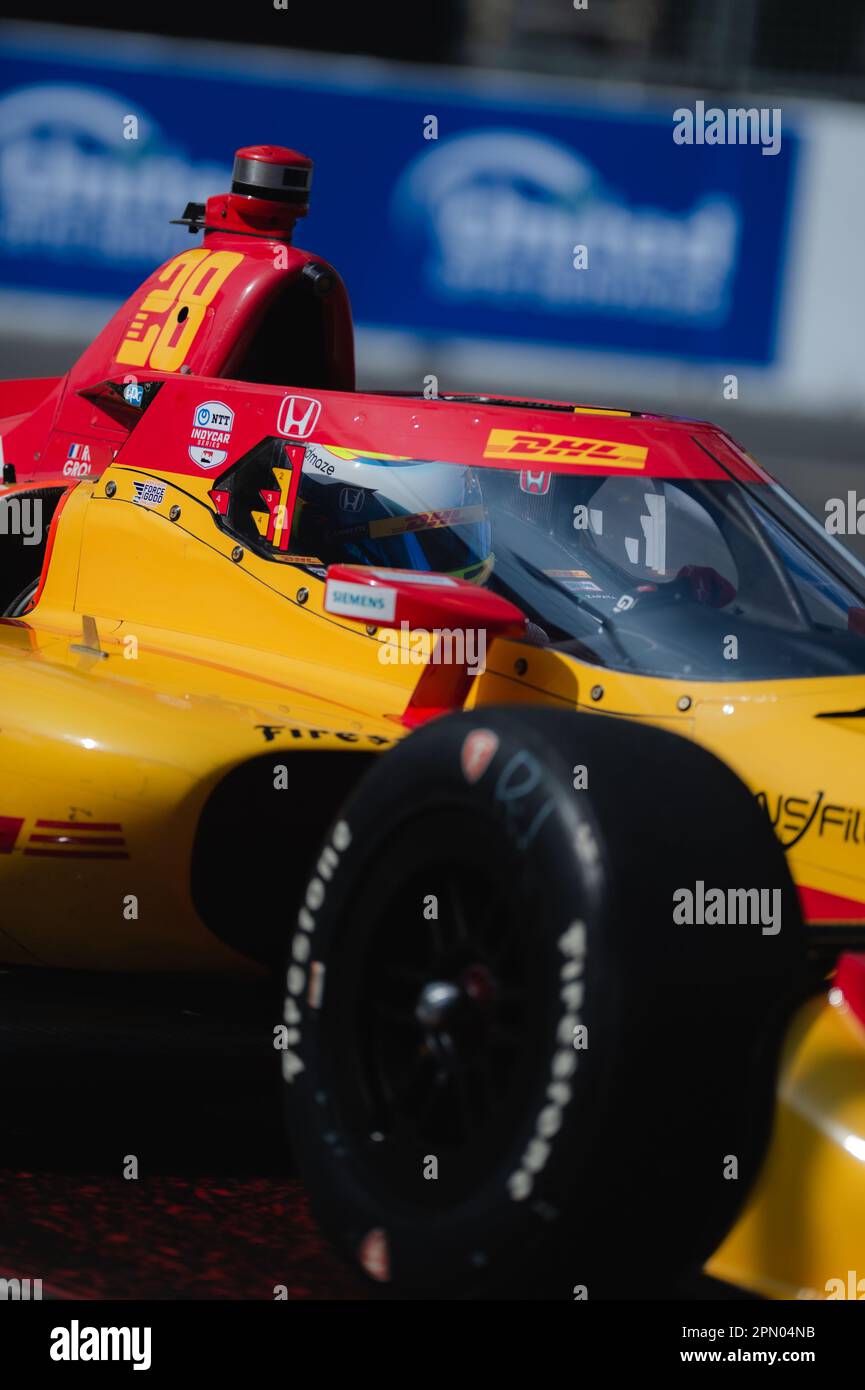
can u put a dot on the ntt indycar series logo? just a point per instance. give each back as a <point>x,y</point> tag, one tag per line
<point>81,179</point>
<point>212,424</point>
<point>500,212</point>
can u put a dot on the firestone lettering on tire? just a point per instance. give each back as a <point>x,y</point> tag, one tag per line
<point>549,1120</point>
<point>296,979</point>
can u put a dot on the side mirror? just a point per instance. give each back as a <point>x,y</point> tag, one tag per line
<point>445,608</point>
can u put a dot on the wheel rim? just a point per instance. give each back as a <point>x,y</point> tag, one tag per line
<point>446,1042</point>
<point>19,606</point>
<point>443,1035</point>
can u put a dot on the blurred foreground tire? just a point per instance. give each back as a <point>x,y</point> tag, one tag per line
<point>509,1070</point>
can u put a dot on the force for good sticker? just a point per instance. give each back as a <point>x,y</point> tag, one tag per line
<point>149,494</point>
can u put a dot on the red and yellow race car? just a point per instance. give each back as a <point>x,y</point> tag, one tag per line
<point>519,740</point>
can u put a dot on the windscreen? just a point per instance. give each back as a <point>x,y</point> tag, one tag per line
<point>706,579</point>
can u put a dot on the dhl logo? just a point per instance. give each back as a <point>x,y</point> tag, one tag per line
<point>427,521</point>
<point>563,448</point>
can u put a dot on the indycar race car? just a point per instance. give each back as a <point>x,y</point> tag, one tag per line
<point>517,740</point>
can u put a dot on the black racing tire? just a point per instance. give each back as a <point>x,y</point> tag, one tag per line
<point>601,1159</point>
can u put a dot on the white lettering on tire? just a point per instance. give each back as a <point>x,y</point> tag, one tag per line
<point>549,1119</point>
<point>316,891</point>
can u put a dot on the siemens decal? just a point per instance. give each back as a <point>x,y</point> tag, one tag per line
<point>355,600</point>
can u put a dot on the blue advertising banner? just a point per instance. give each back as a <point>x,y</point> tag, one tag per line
<point>472,233</point>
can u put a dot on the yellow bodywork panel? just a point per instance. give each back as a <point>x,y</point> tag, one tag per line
<point>110,754</point>
<point>803,1229</point>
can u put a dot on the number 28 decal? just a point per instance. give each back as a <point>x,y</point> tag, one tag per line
<point>190,282</point>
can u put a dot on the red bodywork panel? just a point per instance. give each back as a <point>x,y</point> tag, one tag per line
<point>405,600</point>
<point>535,440</point>
<point>246,303</point>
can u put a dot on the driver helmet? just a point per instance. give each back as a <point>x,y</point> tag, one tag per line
<point>392,512</point>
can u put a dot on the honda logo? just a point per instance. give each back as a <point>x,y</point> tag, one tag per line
<point>538,484</point>
<point>351,499</point>
<point>298,416</point>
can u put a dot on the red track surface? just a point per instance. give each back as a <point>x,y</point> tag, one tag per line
<point>166,1237</point>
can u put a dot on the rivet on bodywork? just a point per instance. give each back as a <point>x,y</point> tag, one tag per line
<point>597,692</point>
<point>237,553</point>
<point>174,514</point>
<point>110,488</point>
<point>302,595</point>
<point>683,702</point>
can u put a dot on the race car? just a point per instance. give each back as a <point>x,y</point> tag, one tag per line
<point>516,740</point>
